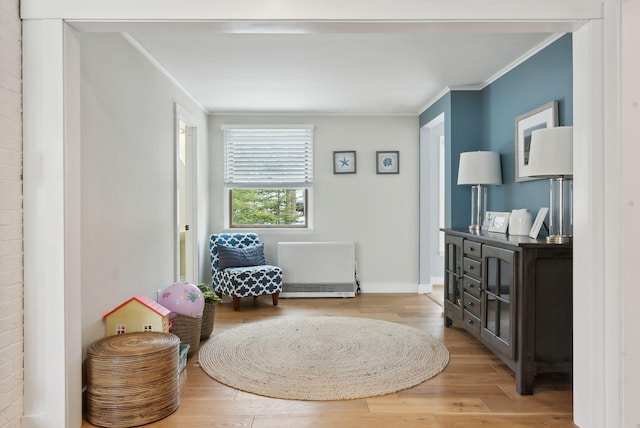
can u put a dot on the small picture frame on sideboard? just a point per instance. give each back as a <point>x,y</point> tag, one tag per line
<point>537,223</point>
<point>488,219</point>
<point>500,222</point>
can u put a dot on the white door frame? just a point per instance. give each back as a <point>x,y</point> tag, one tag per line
<point>191,191</point>
<point>52,217</point>
<point>628,199</point>
<point>52,326</point>
<point>430,270</point>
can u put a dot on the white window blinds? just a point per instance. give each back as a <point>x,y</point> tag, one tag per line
<point>268,157</point>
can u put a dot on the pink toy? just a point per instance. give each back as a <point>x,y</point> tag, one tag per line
<point>183,298</point>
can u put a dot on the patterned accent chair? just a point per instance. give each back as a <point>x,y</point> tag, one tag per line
<point>239,282</point>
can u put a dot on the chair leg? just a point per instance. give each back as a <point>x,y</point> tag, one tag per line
<point>236,304</point>
<point>275,298</point>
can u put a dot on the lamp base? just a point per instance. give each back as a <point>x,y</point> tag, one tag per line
<point>474,228</point>
<point>559,239</point>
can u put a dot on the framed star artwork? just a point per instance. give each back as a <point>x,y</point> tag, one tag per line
<point>344,162</point>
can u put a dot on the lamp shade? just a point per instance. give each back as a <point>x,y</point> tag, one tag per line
<point>479,168</point>
<point>551,152</point>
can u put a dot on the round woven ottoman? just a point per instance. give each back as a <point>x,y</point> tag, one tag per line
<point>132,379</point>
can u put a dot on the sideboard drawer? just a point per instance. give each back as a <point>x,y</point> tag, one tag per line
<point>472,267</point>
<point>472,249</point>
<point>471,286</point>
<point>471,304</point>
<point>471,322</point>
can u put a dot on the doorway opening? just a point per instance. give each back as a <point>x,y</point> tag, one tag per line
<point>432,203</point>
<point>186,246</point>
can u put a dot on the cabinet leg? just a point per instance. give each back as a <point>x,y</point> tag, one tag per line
<point>447,322</point>
<point>524,379</point>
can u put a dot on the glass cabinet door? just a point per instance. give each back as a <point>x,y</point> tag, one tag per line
<point>498,320</point>
<point>453,278</point>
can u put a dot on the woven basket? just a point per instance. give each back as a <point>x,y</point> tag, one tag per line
<point>132,379</point>
<point>207,320</point>
<point>188,330</point>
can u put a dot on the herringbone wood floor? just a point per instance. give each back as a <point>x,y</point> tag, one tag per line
<point>474,390</point>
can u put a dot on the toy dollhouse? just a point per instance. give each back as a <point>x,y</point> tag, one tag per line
<point>140,313</point>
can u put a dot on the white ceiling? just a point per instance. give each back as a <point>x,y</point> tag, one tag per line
<point>332,69</point>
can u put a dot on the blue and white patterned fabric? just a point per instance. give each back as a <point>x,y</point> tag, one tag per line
<point>242,281</point>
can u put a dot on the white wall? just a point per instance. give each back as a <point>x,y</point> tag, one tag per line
<point>11,284</point>
<point>128,166</point>
<point>378,212</point>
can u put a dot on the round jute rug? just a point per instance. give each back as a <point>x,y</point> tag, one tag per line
<point>323,358</point>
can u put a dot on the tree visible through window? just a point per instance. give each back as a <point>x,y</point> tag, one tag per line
<point>268,207</point>
<point>268,175</point>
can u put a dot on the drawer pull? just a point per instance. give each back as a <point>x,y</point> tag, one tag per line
<point>471,285</point>
<point>470,303</point>
<point>471,249</point>
<point>470,321</point>
<point>470,267</point>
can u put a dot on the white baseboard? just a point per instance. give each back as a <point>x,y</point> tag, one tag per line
<point>425,288</point>
<point>33,421</point>
<point>381,287</point>
<point>428,288</point>
<point>311,294</point>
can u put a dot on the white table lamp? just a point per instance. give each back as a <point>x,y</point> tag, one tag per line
<point>551,155</point>
<point>479,169</point>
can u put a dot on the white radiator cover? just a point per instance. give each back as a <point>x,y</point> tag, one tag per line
<point>317,269</point>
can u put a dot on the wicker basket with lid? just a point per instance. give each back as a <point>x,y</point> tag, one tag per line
<point>132,379</point>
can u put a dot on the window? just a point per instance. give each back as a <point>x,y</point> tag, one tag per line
<point>147,327</point>
<point>121,328</point>
<point>268,175</point>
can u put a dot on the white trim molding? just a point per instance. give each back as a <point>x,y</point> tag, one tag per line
<point>384,11</point>
<point>595,283</point>
<point>387,288</point>
<point>629,203</point>
<point>162,69</point>
<point>52,311</point>
<point>52,324</point>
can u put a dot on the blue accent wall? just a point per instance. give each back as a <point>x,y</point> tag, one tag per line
<point>443,105</point>
<point>466,136</point>
<point>485,120</point>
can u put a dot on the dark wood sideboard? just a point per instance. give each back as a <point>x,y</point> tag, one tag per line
<point>513,294</point>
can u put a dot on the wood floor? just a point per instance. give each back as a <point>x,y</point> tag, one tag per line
<point>474,390</point>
